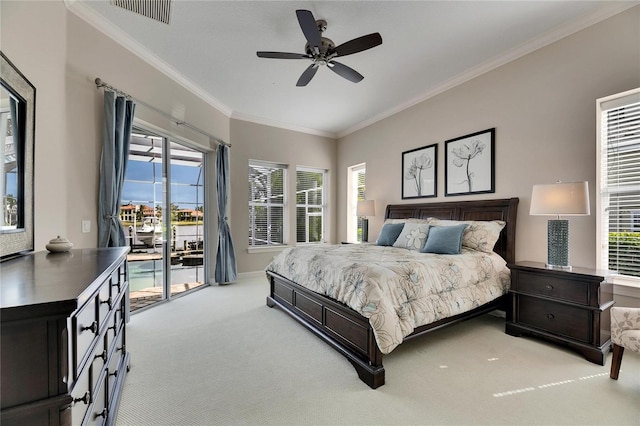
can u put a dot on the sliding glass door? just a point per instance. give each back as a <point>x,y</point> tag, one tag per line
<point>163,214</point>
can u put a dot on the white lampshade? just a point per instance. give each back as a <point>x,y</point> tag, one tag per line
<point>366,208</point>
<point>560,199</point>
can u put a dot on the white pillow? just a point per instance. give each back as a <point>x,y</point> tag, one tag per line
<point>413,236</point>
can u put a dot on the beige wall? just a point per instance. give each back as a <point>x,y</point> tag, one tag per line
<point>543,108</point>
<point>258,142</point>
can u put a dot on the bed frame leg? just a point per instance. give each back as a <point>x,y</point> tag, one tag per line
<point>372,376</point>
<point>270,302</point>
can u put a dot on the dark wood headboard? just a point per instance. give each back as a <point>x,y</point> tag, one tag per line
<point>503,209</point>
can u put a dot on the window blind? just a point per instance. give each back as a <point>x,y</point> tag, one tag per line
<point>310,205</point>
<point>620,185</point>
<point>266,204</point>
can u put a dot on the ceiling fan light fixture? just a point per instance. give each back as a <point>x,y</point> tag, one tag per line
<point>321,50</point>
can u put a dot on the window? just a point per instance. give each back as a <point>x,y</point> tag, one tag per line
<point>618,177</point>
<point>310,205</point>
<point>356,192</point>
<point>266,203</point>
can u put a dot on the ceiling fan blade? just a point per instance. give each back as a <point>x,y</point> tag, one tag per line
<point>358,44</point>
<point>345,71</point>
<point>282,55</point>
<point>307,75</point>
<point>309,29</point>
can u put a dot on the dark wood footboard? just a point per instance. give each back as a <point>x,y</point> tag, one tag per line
<point>347,331</point>
<point>350,333</point>
<point>341,327</point>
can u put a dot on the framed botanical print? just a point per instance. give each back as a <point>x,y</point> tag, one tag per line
<point>469,164</point>
<point>419,172</point>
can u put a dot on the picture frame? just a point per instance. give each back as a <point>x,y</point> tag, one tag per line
<point>469,164</point>
<point>420,172</point>
<point>17,107</point>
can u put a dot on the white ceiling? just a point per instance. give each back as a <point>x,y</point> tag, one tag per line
<point>428,46</point>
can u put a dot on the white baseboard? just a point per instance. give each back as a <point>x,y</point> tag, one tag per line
<point>241,275</point>
<point>254,274</point>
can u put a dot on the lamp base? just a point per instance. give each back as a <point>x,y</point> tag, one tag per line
<point>558,267</point>
<point>558,244</point>
<point>365,230</point>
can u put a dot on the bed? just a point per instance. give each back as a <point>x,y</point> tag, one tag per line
<point>352,331</point>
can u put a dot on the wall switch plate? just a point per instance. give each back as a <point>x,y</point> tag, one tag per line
<point>86,226</point>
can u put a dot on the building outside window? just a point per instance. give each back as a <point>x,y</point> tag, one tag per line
<point>310,205</point>
<point>267,202</point>
<point>618,186</point>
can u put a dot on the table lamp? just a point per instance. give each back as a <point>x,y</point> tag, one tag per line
<point>559,199</point>
<point>365,208</point>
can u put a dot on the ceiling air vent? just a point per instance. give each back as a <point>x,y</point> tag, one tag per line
<point>160,10</point>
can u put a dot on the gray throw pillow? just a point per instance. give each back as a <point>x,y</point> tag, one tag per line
<point>445,239</point>
<point>389,234</point>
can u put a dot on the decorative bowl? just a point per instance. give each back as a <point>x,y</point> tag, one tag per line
<point>59,245</point>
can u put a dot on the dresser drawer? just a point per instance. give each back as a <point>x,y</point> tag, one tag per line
<point>98,413</point>
<point>116,367</point>
<point>555,318</point>
<point>554,287</point>
<point>99,357</point>
<point>82,398</point>
<point>86,329</point>
<point>118,281</point>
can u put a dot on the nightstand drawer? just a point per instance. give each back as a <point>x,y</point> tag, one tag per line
<point>555,318</point>
<point>550,286</point>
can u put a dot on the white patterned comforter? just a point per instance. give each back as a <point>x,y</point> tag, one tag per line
<point>395,288</point>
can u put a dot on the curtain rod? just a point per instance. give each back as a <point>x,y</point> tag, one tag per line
<point>100,83</point>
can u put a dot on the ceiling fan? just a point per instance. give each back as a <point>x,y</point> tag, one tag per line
<point>321,51</point>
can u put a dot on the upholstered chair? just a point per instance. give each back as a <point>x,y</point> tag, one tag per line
<point>625,334</point>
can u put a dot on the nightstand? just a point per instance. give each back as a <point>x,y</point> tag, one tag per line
<point>566,307</point>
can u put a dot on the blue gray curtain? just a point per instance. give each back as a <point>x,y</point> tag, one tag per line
<point>118,119</point>
<point>226,267</point>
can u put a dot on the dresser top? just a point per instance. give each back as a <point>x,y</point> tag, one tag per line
<point>61,279</point>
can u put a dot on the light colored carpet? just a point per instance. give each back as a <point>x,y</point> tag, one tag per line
<point>220,356</point>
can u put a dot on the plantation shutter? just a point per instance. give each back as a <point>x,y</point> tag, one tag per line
<point>310,205</point>
<point>266,203</point>
<point>620,184</point>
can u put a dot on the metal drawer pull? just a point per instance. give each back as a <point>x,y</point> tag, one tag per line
<point>102,413</point>
<point>86,398</point>
<point>108,302</point>
<point>549,287</point>
<point>103,355</point>
<point>93,327</point>
<point>550,316</point>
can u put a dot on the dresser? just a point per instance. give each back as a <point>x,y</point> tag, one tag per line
<point>566,307</point>
<point>63,337</point>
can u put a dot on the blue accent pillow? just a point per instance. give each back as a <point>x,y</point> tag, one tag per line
<point>389,234</point>
<point>444,239</point>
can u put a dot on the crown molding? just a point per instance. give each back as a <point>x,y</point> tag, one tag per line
<point>272,123</point>
<point>95,20</point>
<point>607,11</point>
